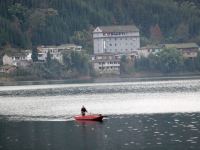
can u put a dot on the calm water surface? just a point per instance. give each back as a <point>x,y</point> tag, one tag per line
<point>141,115</point>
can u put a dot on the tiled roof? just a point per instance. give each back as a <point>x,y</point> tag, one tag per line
<point>58,46</point>
<point>152,46</point>
<point>106,60</point>
<point>125,28</point>
<point>16,54</point>
<point>181,45</point>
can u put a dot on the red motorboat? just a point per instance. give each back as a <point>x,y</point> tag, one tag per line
<point>90,117</point>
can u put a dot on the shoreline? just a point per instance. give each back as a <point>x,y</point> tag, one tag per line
<point>103,79</point>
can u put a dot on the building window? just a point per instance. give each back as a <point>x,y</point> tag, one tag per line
<point>188,53</point>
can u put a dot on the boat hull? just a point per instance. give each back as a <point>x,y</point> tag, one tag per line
<point>89,117</point>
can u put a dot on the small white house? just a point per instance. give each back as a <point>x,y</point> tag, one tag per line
<point>56,52</point>
<point>149,49</point>
<point>7,69</point>
<point>17,59</point>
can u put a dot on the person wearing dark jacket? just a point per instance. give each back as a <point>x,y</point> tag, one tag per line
<point>83,111</point>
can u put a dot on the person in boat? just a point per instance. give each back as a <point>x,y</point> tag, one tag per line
<point>83,111</point>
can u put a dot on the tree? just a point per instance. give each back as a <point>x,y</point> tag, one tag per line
<point>156,34</point>
<point>126,65</point>
<point>189,64</point>
<point>182,32</point>
<point>83,38</point>
<point>48,61</point>
<point>34,55</point>
<point>67,60</point>
<point>197,62</point>
<point>142,63</point>
<point>19,11</point>
<point>153,62</point>
<point>170,60</point>
<point>80,63</point>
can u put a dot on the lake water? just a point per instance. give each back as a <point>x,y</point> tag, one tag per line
<point>141,115</point>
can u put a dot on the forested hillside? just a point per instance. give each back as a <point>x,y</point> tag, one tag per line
<point>25,23</point>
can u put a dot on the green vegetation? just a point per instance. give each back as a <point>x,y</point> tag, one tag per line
<point>34,55</point>
<point>126,65</point>
<point>168,61</point>
<point>48,60</point>
<point>27,23</point>
<point>76,64</point>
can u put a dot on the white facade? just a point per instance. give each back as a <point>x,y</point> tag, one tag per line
<point>19,59</point>
<point>56,51</point>
<point>149,49</point>
<point>106,64</point>
<point>116,39</point>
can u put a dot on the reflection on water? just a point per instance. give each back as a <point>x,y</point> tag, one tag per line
<point>142,115</point>
<point>101,88</point>
<point>60,102</point>
<point>148,132</point>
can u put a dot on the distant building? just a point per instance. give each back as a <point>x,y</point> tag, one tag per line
<point>116,39</point>
<point>106,63</point>
<point>109,63</point>
<point>18,59</point>
<point>188,50</point>
<point>56,52</point>
<point>149,49</point>
<point>7,69</point>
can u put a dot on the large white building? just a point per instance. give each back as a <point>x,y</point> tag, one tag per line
<point>116,39</point>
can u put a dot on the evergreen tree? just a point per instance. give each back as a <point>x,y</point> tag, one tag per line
<point>156,34</point>
<point>56,22</point>
<point>170,60</point>
<point>34,55</point>
<point>48,60</point>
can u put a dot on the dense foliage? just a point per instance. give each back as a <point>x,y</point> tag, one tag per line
<point>25,23</point>
<point>78,63</point>
<point>168,61</point>
<point>75,64</point>
<point>28,23</point>
<point>34,54</point>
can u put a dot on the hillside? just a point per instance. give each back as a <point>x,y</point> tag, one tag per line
<point>25,23</point>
